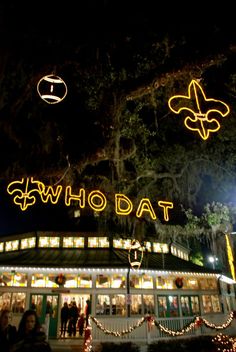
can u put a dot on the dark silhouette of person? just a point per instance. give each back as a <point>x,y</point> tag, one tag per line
<point>64,318</point>
<point>81,324</point>
<point>73,316</point>
<point>30,337</point>
<point>87,312</point>
<point>8,333</point>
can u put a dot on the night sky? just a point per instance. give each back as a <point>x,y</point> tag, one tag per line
<point>26,27</point>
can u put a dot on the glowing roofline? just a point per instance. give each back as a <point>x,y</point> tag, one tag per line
<point>124,270</point>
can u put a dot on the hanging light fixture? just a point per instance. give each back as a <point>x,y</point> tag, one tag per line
<point>135,254</point>
<point>52,89</point>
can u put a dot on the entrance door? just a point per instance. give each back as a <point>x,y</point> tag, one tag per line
<point>46,307</point>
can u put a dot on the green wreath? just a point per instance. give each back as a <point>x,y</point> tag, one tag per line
<point>60,280</point>
<point>179,282</point>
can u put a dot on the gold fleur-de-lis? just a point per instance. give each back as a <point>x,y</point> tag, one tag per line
<point>203,111</point>
<point>24,190</point>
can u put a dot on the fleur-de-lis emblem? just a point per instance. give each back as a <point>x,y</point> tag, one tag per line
<point>203,111</point>
<point>24,190</point>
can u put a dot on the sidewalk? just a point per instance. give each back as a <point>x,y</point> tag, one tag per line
<point>66,345</point>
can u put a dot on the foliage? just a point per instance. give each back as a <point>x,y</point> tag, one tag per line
<point>197,258</point>
<point>193,344</point>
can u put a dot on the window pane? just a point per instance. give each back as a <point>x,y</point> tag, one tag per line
<point>147,281</point>
<point>103,305</point>
<point>103,281</point>
<point>118,281</point>
<point>18,302</point>
<point>20,279</point>
<point>191,283</point>
<point>28,243</point>
<point>50,280</point>
<point>162,306</point>
<point>7,278</point>
<point>118,305</point>
<point>85,281</point>
<point>135,281</point>
<point>184,300</point>
<point>136,304</point>
<point>5,299</point>
<point>148,304</point>
<point>195,305</point>
<point>206,301</point>
<point>38,280</point>
<point>215,303</point>
<point>173,306</point>
<point>37,304</point>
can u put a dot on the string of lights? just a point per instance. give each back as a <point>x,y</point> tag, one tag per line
<point>195,323</point>
<point>224,343</point>
<point>118,333</point>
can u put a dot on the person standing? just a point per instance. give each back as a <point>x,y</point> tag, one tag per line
<point>64,318</point>
<point>81,324</point>
<point>87,311</point>
<point>73,317</point>
<point>8,332</point>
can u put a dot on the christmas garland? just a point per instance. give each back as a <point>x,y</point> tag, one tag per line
<point>195,323</point>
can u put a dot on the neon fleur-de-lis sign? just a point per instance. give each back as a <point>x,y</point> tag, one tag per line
<point>201,112</point>
<point>24,194</point>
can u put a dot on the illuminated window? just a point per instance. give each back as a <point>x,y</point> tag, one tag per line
<point>135,281</point>
<point>148,304</point>
<point>7,278</point>
<point>85,281</point>
<point>118,305</point>
<point>49,242</point>
<point>195,306</point>
<point>122,244</point>
<point>11,245</point>
<point>118,281</point>
<point>102,305</point>
<point>50,280</point>
<point>1,246</point>
<point>208,283</point>
<point>18,302</point>
<point>173,306</point>
<point>162,306</point>
<point>191,283</point>
<point>38,280</point>
<point>165,282</point>
<point>98,242</point>
<point>147,246</point>
<point>189,305</point>
<point>147,281</point>
<point>5,300</point>
<point>20,279</point>
<point>73,242</point>
<point>211,303</point>
<point>160,247</point>
<point>103,281</point>
<point>136,305</point>
<point>71,280</point>
<point>28,243</point>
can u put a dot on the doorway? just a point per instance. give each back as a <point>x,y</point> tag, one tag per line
<point>46,307</point>
<point>80,300</point>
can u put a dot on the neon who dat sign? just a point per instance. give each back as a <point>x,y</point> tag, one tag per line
<point>201,111</point>
<point>27,191</point>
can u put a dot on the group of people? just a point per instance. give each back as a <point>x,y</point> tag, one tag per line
<point>72,318</point>
<point>28,338</point>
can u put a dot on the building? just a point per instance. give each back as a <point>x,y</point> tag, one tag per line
<point>41,269</point>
